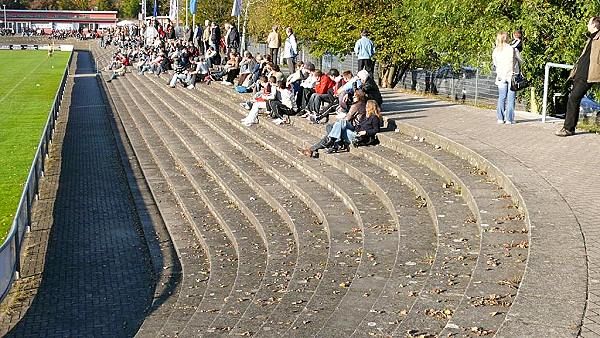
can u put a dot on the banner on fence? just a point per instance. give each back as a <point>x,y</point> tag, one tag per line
<point>62,48</point>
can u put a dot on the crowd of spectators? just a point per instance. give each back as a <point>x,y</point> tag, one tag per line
<point>7,32</point>
<point>58,34</point>
<point>79,34</point>
<point>209,53</point>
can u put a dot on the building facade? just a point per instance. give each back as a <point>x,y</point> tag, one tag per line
<point>48,20</point>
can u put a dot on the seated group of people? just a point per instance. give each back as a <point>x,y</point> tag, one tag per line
<point>189,66</point>
<point>308,92</point>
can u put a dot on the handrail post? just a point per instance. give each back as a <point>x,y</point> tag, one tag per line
<point>545,101</point>
<point>546,84</point>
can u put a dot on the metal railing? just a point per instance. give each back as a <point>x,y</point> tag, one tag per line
<point>546,83</point>
<point>466,85</point>
<point>324,62</point>
<point>10,250</point>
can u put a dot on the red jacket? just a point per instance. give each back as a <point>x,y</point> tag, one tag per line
<point>324,84</point>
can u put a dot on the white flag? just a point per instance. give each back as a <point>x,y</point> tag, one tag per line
<point>237,8</point>
<point>173,9</point>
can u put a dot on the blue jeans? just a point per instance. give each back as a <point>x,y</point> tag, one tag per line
<point>505,110</point>
<point>176,77</point>
<point>341,130</point>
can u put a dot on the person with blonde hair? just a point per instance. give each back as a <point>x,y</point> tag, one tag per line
<point>365,133</point>
<point>507,61</point>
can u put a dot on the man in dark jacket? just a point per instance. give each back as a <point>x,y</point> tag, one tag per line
<point>584,75</point>
<point>233,39</point>
<point>215,36</point>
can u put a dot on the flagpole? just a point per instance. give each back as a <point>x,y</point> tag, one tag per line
<point>186,14</point>
<point>243,45</point>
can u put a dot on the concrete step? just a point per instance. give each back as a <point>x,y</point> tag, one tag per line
<point>492,261</point>
<point>205,230</point>
<point>251,173</point>
<point>256,209</point>
<point>503,244</point>
<point>428,253</point>
<point>341,207</point>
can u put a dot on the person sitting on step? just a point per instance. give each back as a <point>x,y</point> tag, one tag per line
<point>335,138</point>
<point>121,70</point>
<point>180,74</point>
<point>369,86</point>
<point>365,134</point>
<point>307,88</point>
<point>246,67</point>
<point>323,92</point>
<point>268,93</point>
<point>200,73</point>
<point>282,105</point>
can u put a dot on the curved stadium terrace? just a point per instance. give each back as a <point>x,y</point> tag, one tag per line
<point>161,215</point>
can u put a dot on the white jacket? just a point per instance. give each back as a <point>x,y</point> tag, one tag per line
<point>290,48</point>
<point>507,62</point>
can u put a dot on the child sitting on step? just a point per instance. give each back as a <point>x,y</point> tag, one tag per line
<point>260,102</point>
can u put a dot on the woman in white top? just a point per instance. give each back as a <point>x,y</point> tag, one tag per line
<point>507,61</point>
<point>283,104</point>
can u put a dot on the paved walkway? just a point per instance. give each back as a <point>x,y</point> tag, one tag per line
<point>94,277</point>
<point>570,165</point>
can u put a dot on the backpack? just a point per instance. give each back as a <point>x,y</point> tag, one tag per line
<point>242,89</point>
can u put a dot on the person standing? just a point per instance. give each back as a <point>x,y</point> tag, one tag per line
<point>232,38</point>
<point>507,61</point>
<point>197,38</point>
<point>274,43</point>
<point>206,35</point>
<point>517,41</point>
<point>585,73</point>
<point>290,49</point>
<point>365,50</point>
<point>215,36</point>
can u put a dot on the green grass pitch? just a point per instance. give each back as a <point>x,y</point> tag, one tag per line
<point>28,83</point>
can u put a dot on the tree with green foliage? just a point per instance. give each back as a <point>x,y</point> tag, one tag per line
<point>129,9</point>
<point>47,4</point>
<point>106,5</point>
<point>15,4</point>
<point>431,33</point>
<point>66,4</point>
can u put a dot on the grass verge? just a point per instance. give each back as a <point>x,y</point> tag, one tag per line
<point>28,83</point>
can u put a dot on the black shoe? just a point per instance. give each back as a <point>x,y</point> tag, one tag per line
<point>373,141</point>
<point>330,142</point>
<point>334,148</point>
